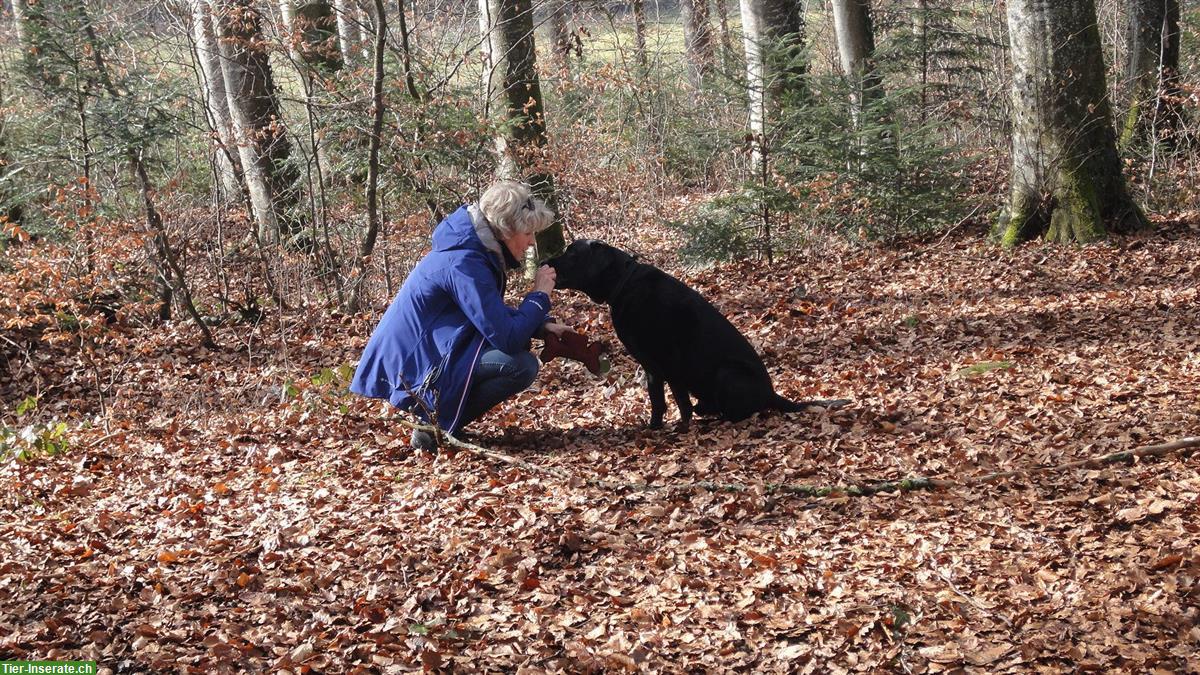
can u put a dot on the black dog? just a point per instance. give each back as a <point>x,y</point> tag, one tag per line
<point>677,336</point>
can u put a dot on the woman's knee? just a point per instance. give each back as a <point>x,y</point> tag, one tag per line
<point>527,366</point>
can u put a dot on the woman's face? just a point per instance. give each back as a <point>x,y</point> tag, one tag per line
<point>518,243</point>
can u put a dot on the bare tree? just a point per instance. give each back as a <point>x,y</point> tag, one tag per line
<point>727,51</point>
<point>1152,69</point>
<point>377,111</point>
<point>272,180</point>
<point>639,33</point>
<point>513,98</point>
<point>697,39</point>
<point>562,42</point>
<point>345,29</point>
<point>1066,177</point>
<point>216,100</point>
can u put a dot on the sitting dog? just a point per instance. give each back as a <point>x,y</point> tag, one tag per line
<point>677,336</point>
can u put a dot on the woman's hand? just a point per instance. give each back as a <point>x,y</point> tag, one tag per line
<point>556,328</point>
<point>544,280</point>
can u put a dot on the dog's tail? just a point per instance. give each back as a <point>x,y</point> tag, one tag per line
<point>786,405</point>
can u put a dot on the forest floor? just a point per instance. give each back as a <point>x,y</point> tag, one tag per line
<point>239,511</point>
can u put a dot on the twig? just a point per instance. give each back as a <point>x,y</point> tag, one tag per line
<point>105,437</point>
<point>971,601</point>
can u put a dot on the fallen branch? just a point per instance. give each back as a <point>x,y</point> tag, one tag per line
<point>482,451</point>
<point>861,490</point>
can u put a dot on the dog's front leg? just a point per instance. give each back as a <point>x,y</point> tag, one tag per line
<point>658,399</point>
<point>683,400</point>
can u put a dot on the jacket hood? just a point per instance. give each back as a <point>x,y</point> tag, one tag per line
<point>471,231</point>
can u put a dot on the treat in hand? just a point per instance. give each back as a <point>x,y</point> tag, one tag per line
<point>578,347</point>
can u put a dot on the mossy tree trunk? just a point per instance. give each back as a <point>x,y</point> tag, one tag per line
<point>1152,70</point>
<point>315,37</point>
<point>1067,184</point>
<point>513,99</point>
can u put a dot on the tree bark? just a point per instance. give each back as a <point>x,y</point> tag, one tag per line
<point>315,36</point>
<point>18,10</point>
<point>1152,69</point>
<point>639,34</point>
<point>1066,177</point>
<point>366,14</point>
<point>271,178</point>
<point>216,100</point>
<point>513,99</point>
<point>377,110</point>
<point>697,40</point>
<point>727,53</point>
<point>560,36</point>
<point>345,29</point>
<point>773,33</point>
<point>287,18</point>
<point>856,49</point>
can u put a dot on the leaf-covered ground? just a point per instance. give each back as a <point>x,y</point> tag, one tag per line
<point>219,525</point>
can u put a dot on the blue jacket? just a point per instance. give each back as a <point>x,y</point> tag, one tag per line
<point>448,312</point>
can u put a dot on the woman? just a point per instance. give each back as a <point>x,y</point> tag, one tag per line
<point>448,348</point>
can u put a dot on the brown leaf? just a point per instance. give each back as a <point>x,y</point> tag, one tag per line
<point>983,657</point>
<point>1167,561</point>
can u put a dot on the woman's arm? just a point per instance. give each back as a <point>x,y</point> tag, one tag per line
<point>507,329</point>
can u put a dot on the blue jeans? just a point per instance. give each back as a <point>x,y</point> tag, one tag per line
<point>498,376</point>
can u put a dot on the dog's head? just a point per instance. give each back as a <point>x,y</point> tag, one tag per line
<point>590,266</point>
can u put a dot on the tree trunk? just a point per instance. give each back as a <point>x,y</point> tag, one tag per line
<point>287,18</point>
<point>170,269</point>
<point>368,243</point>
<point>315,36</point>
<point>367,15</point>
<point>773,32</point>
<point>18,10</point>
<point>697,40</point>
<point>727,52</point>
<point>1152,69</point>
<point>513,99</point>
<point>287,13</point>
<point>345,29</point>
<point>10,204</point>
<point>856,49</point>
<point>1066,177</point>
<point>560,35</point>
<point>271,178</point>
<point>639,34</point>
<point>216,101</point>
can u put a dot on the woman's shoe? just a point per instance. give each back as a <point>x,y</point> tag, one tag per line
<point>423,440</point>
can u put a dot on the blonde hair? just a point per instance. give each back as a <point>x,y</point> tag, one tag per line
<point>510,207</point>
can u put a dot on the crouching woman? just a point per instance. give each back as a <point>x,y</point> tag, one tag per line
<point>448,349</point>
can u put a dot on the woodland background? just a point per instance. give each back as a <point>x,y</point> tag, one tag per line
<point>977,220</point>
